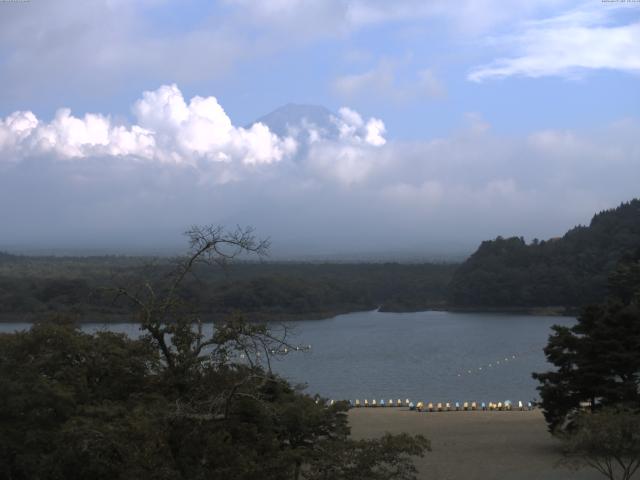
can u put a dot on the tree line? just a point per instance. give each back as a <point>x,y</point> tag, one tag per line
<point>261,290</point>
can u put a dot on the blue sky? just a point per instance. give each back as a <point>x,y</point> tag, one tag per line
<point>518,118</point>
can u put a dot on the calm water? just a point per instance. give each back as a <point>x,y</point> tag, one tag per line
<point>430,356</point>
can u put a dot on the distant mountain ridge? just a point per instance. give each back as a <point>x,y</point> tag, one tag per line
<point>570,271</point>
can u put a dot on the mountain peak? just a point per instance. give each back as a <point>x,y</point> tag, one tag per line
<point>288,117</point>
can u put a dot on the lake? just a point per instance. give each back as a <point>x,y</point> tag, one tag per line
<point>429,356</point>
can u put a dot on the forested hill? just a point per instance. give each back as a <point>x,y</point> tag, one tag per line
<point>570,271</point>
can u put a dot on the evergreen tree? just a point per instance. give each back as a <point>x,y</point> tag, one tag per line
<point>597,359</point>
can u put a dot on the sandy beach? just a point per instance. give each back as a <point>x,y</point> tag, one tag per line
<point>474,445</point>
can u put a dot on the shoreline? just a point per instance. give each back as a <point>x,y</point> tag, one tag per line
<point>258,317</point>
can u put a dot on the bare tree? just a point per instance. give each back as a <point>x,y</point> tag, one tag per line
<point>175,328</point>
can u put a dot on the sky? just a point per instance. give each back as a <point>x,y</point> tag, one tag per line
<point>122,123</point>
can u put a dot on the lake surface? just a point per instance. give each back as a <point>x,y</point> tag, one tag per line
<point>429,356</point>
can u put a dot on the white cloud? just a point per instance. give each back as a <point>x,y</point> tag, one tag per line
<point>184,161</point>
<point>168,130</point>
<point>354,129</point>
<point>566,45</point>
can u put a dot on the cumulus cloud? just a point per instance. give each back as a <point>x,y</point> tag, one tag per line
<point>567,45</point>
<point>347,189</point>
<point>168,130</point>
<point>353,128</point>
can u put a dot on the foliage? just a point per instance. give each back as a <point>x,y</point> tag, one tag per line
<point>174,404</point>
<point>570,271</point>
<point>260,290</point>
<point>385,458</point>
<point>597,359</point>
<point>608,441</point>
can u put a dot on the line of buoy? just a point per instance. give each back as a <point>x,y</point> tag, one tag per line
<point>507,405</point>
<point>500,362</point>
